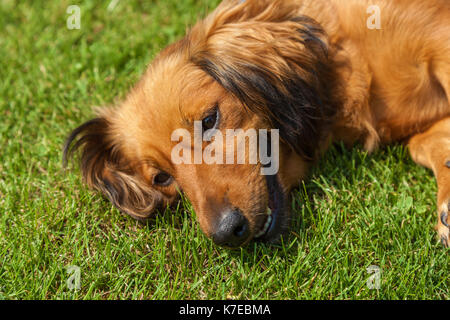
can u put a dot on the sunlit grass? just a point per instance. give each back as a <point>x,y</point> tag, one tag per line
<point>356,211</point>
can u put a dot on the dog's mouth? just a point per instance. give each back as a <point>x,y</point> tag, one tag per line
<point>275,223</point>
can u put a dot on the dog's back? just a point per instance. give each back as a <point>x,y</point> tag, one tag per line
<point>377,71</point>
<point>399,53</point>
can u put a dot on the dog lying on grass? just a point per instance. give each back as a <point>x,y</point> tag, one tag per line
<point>312,71</point>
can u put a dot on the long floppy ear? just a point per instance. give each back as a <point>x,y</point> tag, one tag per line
<point>106,169</point>
<point>274,61</point>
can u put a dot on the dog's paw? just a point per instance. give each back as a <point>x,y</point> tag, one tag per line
<point>443,226</point>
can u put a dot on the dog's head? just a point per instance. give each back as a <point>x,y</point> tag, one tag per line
<point>256,65</point>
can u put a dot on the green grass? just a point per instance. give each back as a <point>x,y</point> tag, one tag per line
<point>356,211</point>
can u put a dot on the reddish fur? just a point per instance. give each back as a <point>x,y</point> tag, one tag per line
<point>384,85</point>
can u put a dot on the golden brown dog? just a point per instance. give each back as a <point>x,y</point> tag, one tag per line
<point>313,69</point>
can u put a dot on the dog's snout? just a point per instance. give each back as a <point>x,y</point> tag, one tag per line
<point>233,229</point>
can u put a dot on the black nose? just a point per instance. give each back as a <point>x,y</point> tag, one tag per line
<point>233,230</point>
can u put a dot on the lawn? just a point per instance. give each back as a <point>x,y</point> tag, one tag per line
<point>356,211</point>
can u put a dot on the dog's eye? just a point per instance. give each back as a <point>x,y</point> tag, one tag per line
<point>162,179</point>
<point>210,122</point>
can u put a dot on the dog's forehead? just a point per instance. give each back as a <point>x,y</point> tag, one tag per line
<point>173,98</point>
<point>171,95</point>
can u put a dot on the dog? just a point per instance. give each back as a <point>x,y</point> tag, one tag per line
<point>316,71</point>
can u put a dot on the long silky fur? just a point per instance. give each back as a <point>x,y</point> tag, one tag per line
<point>282,75</point>
<point>103,168</point>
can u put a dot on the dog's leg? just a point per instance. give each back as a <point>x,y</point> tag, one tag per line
<point>432,150</point>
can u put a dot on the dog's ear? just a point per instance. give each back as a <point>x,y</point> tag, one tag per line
<point>106,169</point>
<point>274,61</point>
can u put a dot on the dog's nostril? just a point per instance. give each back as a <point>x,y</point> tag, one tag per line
<point>240,230</point>
<point>233,230</point>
